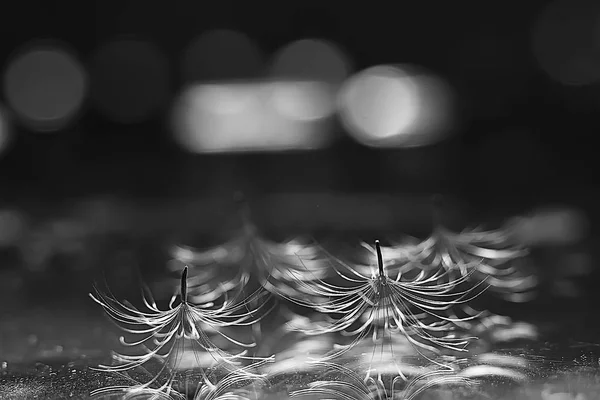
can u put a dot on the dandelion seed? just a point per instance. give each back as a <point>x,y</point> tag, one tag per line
<point>282,268</point>
<point>398,267</point>
<point>382,306</point>
<point>167,336</point>
<point>480,254</point>
<point>288,269</point>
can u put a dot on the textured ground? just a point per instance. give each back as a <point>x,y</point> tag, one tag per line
<point>46,352</point>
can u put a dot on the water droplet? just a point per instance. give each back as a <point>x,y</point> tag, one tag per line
<point>42,368</point>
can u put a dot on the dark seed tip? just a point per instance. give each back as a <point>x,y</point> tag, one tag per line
<point>379,257</point>
<point>184,284</point>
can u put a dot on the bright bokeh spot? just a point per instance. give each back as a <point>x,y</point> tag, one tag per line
<point>566,41</point>
<point>319,67</point>
<point>221,55</point>
<point>235,117</point>
<point>227,109</point>
<point>130,80</point>
<point>45,86</point>
<point>302,100</point>
<point>380,103</point>
<point>396,106</point>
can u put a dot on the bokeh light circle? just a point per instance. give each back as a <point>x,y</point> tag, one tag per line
<point>302,101</point>
<point>219,55</point>
<point>130,80</point>
<point>566,41</point>
<point>210,117</point>
<point>45,85</point>
<point>311,60</point>
<point>396,106</point>
<point>319,68</point>
<point>236,117</point>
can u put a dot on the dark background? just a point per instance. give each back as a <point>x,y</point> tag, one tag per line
<point>522,132</point>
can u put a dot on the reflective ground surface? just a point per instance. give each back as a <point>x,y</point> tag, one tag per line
<point>47,351</point>
<point>51,332</point>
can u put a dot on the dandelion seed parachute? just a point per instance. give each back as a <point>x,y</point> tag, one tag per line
<point>290,269</point>
<point>493,250</point>
<point>382,306</point>
<point>283,269</point>
<point>165,336</point>
<point>400,265</point>
<point>493,256</point>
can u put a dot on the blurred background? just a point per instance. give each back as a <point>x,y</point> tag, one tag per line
<point>127,126</point>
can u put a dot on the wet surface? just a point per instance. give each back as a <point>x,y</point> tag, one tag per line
<point>52,379</point>
<point>47,353</point>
